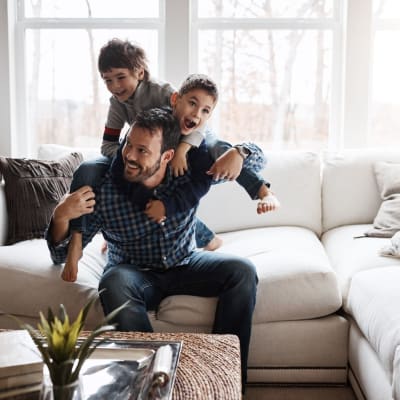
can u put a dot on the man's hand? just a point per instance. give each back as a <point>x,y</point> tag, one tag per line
<point>227,166</point>
<point>75,204</point>
<point>155,210</point>
<point>72,206</point>
<point>179,163</point>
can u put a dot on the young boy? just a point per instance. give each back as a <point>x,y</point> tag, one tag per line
<point>124,69</point>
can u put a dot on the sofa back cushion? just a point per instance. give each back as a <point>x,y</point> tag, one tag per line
<point>295,180</point>
<point>350,193</point>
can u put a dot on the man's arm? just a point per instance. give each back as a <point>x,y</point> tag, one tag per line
<point>72,206</point>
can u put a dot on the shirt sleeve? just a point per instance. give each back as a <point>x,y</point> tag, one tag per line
<point>194,139</point>
<point>192,186</point>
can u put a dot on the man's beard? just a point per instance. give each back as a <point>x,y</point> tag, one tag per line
<point>142,173</point>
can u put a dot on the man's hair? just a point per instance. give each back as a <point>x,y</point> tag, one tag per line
<point>119,53</point>
<point>160,118</point>
<point>199,81</point>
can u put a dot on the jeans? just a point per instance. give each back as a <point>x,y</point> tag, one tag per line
<point>91,173</point>
<point>248,178</point>
<point>88,173</point>
<point>232,279</point>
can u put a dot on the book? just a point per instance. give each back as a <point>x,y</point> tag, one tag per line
<point>30,378</point>
<point>18,354</point>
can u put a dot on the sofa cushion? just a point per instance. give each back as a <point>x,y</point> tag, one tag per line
<point>387,221</point>
<point>28,274</point>
<point>373,301</point>
<point>295,178</point>
<point>33,188</point>
<point>296,280</point>
<point>350,252</point>
<point>350,193</point>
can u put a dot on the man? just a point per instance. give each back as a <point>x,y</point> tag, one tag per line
<point>149,260</point>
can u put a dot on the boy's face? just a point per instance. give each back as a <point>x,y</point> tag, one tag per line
<point>122,82</point>
<point>192,109</point>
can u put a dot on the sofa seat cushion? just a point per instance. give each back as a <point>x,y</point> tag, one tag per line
<point>373,302</point>
<point>29,276</point>
<point>296,281</point>
<point>349,255</point>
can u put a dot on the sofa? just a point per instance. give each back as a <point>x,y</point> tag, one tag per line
<point>327,309</point>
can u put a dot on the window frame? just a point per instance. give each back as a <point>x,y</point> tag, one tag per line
<point>353,41</point>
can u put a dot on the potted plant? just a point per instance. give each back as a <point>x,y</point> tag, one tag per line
<point>57,340</point>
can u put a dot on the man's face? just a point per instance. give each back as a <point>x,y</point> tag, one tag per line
<point>192,109</point>
<point>141,154</point>
<point>122,82</point>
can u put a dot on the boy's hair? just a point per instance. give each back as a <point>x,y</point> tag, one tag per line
<point>118,53</point>
<point>160,118</point>
<point>199,81</point>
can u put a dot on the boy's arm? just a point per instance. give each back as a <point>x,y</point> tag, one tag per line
<point>179,162</point>
<point>193,185</point>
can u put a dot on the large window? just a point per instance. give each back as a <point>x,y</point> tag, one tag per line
<point>292,74</point>
<point>274,63</point>
<point>385,96</point>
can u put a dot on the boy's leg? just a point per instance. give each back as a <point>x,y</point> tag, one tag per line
<point>205,237</point>
<point>88,173</point>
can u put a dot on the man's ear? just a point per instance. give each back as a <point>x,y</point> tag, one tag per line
<point>168,155</point>
<point>173,99</point>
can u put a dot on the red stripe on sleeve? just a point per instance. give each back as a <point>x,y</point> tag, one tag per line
<point>111,131</point>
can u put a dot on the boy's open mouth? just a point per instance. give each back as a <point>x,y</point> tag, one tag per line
<point>189,124</point>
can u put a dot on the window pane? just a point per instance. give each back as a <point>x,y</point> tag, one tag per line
<point>92,8</point>
<point>387,8</point>
<point>275,85</point>
<point>385,123</point>
<point>264,9</point>
<point>67,100</point>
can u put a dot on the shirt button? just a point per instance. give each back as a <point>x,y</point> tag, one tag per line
<point>162,223</point>
<point>164,258</point>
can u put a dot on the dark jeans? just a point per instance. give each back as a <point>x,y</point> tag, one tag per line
<point>232,279</point>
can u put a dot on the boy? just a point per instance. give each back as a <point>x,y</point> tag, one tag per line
<point>124,69</point>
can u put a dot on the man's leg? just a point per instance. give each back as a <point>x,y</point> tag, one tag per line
<point>123,282</point>
<point>233,280</point>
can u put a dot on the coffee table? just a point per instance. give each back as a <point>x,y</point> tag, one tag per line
<point>208,368</point>
<point>209,365</point>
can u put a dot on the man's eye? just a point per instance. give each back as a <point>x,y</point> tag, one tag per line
<point>192,103</point>
<point>206,111</point>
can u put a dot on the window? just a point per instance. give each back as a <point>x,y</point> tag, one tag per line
<point>385,98</point>
<point>292,74</point>
<point>66,100</point>
<point>273,62</point>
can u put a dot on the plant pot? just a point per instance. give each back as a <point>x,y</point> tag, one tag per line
<point>72,391</point>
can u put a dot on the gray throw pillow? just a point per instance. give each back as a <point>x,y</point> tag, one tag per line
<point>33,188</point>
<point>387,221</point>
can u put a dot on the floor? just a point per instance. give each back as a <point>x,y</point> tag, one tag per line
<point>298,393</point>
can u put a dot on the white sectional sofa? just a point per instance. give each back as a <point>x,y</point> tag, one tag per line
<point>327,304</point>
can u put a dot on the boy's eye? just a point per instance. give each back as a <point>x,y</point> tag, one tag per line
<point>192,103</point>
<point>206,111</point>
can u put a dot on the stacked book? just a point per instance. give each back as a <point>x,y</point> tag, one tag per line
<point>21,367</point>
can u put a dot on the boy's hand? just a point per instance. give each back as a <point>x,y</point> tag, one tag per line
<point>179,162</point>
<point>267,201</point>
<point>227,166</point>
<point>155,210</point>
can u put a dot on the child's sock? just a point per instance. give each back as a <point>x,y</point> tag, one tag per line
<point>70,271</point>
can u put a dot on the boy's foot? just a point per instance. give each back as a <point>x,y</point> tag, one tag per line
<point>214,244</point>
<point>70,271</point>
<point>267,204</point>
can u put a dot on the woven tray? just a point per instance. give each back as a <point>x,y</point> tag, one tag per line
<point>209,365</point>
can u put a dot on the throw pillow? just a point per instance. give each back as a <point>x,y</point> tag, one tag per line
<point>387,221</point>
<point>33,188</point>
